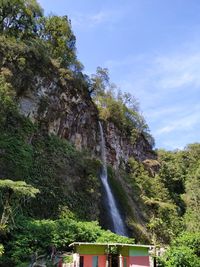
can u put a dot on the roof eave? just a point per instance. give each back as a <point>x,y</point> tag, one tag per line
<point>110,244</point>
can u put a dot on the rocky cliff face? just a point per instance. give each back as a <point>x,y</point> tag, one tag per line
<point>61,105</point>
<point>62,109</point>
<point>71,114</point>
<point>120,148</point>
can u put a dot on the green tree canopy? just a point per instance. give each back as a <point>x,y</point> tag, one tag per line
<point>181,257</point>
<point>184,251</point>
<point>192,200</point>
<point>57,33</point>
<point>120,108</point>
<point>11,193</point>
<point>58,233</point>
<point>19,18</point>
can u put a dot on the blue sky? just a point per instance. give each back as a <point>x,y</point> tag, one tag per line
<point>152,50</point>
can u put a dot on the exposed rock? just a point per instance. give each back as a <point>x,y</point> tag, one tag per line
<point>63,108</point>
<point>64,111</point>
<point>120,147</point>
<point>152,166</point>
<point>70,113</point>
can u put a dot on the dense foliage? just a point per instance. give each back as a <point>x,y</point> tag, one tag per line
<point>11,194</point>
<point>184,251</point>
<point>24,21</point>
<point>39,159</point>
<point>43,162</point>
<point>55,188</point>
<point>53,233</point>
<point>120,108</point>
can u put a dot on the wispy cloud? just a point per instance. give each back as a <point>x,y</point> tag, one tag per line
<point>164,112</point>
<point>168,88</point>
<point>100,17</point>
<point>184,123</point>
<point>169,71</point>
<point>178,71</point>
<point>92,20</point>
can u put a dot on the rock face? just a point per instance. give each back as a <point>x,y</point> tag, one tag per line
<point>60,104</point>
<point>62,109</point>
<point>120,147</point>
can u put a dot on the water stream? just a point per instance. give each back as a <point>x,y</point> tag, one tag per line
<point>118,224</point>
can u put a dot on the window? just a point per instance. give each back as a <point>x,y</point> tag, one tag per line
<point>95,261</point>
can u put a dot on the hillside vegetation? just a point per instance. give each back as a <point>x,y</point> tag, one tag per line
<point>50,191</point>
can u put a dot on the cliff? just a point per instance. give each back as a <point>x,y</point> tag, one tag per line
<point>63,107</point>
<point>69,113</point>
<point>64,110</point>
<point>120,147</point>
<point>58,102</point>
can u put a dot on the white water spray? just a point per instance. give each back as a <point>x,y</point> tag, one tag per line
<point>118,224</point>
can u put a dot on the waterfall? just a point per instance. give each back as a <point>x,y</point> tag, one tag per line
<point>118,224</point>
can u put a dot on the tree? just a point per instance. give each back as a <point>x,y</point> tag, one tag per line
<point>99,82</point>
<point>181,257</point>
<point>58,233</point>
<point>163,220</point>
<point>192,200</point>
<point>130,101</point>
<point>7,95</point>
<point>19,18</point>
<point>190,240</point>
<point>12,193</point>
<point>184,251</point>
<point>57,33</point>
<point>172,173</point>
<point>1,250</point>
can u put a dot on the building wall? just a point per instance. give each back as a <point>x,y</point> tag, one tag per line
<point>91,250</point>
<point>94,260</point>
<point>139,261</point>
<point>95,256</point>
<point>138,251</point>
<point>139,257</point>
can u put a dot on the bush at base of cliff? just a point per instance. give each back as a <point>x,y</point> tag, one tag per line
<point>39,236</point>
<point>181,257</point>
<point>184,251</point>
<point>47,163</point>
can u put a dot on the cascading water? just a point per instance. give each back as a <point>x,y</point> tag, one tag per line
<point>118,224</point>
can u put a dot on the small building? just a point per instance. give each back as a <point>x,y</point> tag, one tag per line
<point>110,255</point>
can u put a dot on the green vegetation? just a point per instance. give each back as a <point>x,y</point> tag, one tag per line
<point>54,194</point>
<point>24,20</point>
<point>170,202</point>
<point>153,199</point>
<point>184,251</point>
<point>1,250</point>
<point>12,193</point>
<point>118,190</point>
<point>46,162</point>
<point>43,162</point>
<point>53,233</point>
<point>121,109</point>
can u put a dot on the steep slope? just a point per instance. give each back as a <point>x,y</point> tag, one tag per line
<point>49,117</point>
<point>58,102</point>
